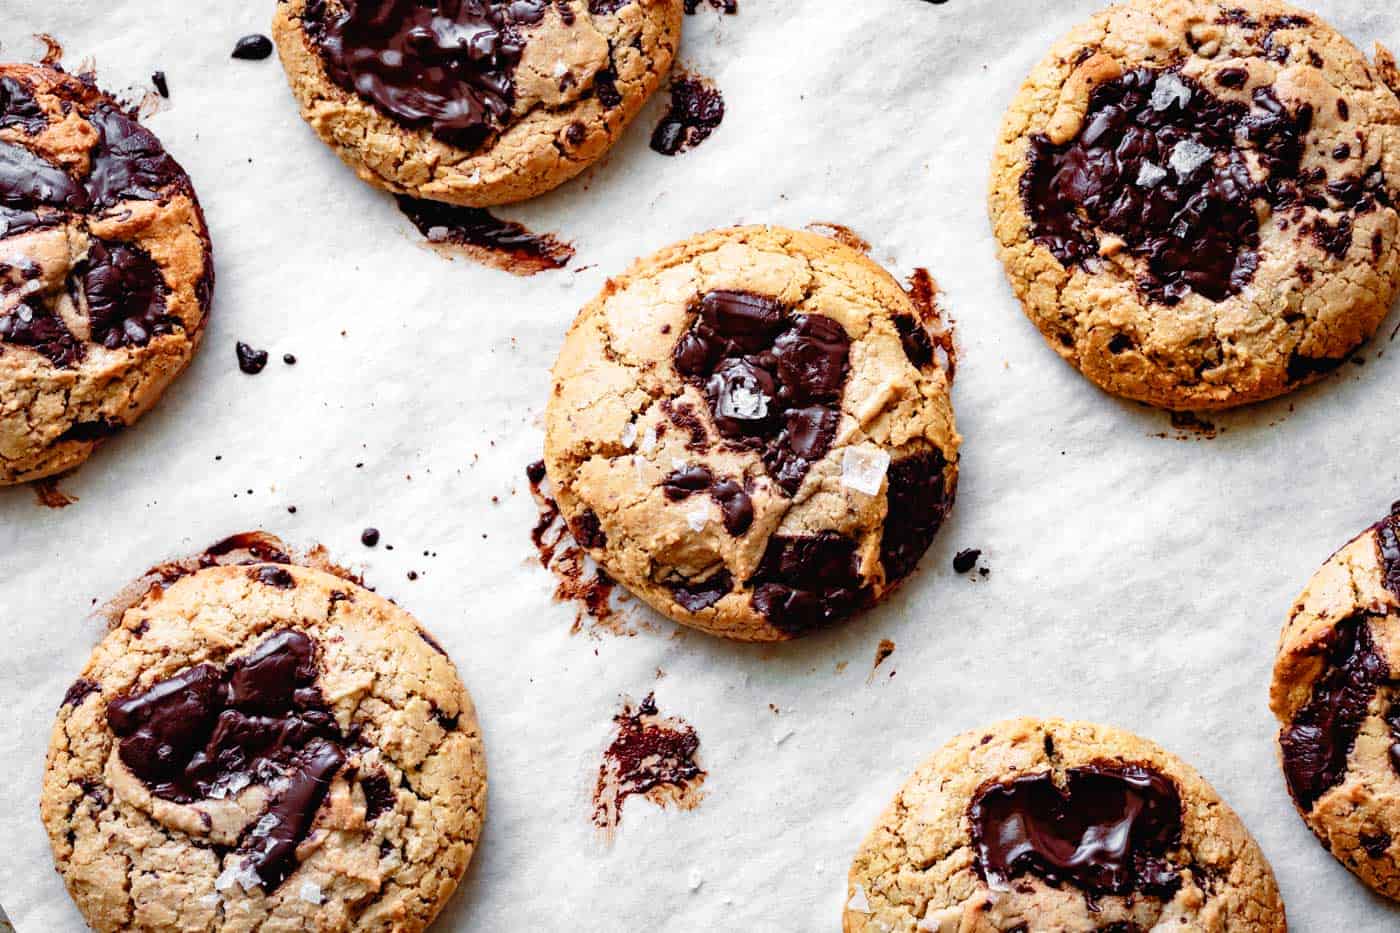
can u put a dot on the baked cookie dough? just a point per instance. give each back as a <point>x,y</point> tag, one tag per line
<point>751,430</point>
<point>1196,199</point>
<point>1336,693</point>
<point>263,746</point>
<point>105,270</point>
<point>1033,826</point>
<point>473,102</point>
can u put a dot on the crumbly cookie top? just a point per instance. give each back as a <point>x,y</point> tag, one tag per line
<point>253,732</point>
<point>105,269</point>
<point>1035,825</point>
<point>1336,694</point>
<point>752,430</point>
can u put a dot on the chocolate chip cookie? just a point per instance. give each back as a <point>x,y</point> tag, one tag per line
<point>263,745</point>
<point>473,102</point>
<point>1046,825</point>
<point>105,270</point>
<point>1336,693</point>
<point>1196,200</point>
<point>751,430</point>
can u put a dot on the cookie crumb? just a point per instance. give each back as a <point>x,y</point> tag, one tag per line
<point>50,496</point>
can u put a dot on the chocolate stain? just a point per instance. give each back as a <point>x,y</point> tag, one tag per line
<point>579,579</point>
<point>843,235</point>
<point>479,235</point>
<point>696,111</point>
<point>651,755</point>
<point>50,496</point>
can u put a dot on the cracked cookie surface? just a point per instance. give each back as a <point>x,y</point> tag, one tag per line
<point>751,430</point>
<point>1196,200</point>
<point>106,272</point>
<point>1046,825</point>
<point>263,746</point>
<point>1336,695</point>
<point>474,102</point>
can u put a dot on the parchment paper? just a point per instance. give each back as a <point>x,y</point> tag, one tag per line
<point>1135,579</point>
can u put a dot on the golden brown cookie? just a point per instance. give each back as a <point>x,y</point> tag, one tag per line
<point>1047,826</point>
<point>105,270</point>
<point>263,746</point>
<point>474,102</point>
<point>1336,694</point>
<point>751,430</point>
<point>1196,199</point>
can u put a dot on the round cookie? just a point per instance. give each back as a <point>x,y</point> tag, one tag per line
<point>1032,826</point>
<point>264,746</point>
<point>474,102</point>
<point>751,430</point>
<point>105,270</point>
<point>1195,200</point>
<point>1336,694</point>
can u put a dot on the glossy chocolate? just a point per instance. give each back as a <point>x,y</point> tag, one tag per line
<point>1109,831</point>
<point>806,582</point>
<point>773,380</point>
<point>736,506</point>
<point>695,595</point>
<point>128,161</point>
<point>254,47</point>
<point>30,324</point>
<point>19,108</point>
<point>1161,164</point>
<point>250,360</point>
<point>515,248</point>
<point>1318,741</point>
<point>448,65</point>
<point>207,732</point>
<point>125,295</point>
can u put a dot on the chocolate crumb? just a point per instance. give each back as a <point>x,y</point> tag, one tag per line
<point>966,559</point>
<point>250,361</point>
<point>254,47</point>
<point>162,87</point>
<point>369,537</point>
<point>289,359</point>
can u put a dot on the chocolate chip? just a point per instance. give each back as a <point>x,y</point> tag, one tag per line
<point>411,61</point>
<point>369,537</point>
<point>1028,825</point>
<point>79,691</point>
<point>913,336</point>
<point>253,47</point>
<point>1375,844</point>
<point>695,595</point>
<point>379,795</point>
<point>289,359</point>
<point>275,576</point>
<point>965,560</point>
<point>249,360</point>
<point>535,472</point>
<point>162,87</point>
<point>588,531</point>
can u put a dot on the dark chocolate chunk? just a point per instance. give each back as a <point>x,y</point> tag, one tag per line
<point>275,576</point>
<point>253,47</point>
<point>1304,367</point>
<point>125,295</point>
<point>206,732</point>
<point>697,108</point>
<point>32,325</point>
<point>772,379</point>
<point>1375,844</point>
<point>966,559</point>
<point>918,501</point>
<point>128,162</point>
<point>1110,831</point>
<point>807,582</point>
<point>1320,737</point>
<point>162,86</point>
<point>251,361</point>
<point>587,530</point>
<point>695,595</point>
<point>379,795</point>
<point>19,108</point>
<point>605,87</point>
<point>736,506</point>
<point>1159,164</point>
<point>918,345</point>
<point>88,431</point>
<point>444,64</point>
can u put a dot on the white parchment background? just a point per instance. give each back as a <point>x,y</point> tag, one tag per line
<point>1136,580</point>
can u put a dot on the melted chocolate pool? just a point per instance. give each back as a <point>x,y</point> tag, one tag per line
<point>1108,832</point>
<point>448,65</point>
<point>207,731</point>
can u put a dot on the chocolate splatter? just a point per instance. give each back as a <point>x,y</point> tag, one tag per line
<point>882,654</point>
<point>481,236</point>
<point>697,109</point>
<point>651,755</point>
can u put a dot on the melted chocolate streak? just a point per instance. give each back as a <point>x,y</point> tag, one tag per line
<point>477,228</point>
<point>124,291</point>
<point>1108,832</point>
<point>1161,164</point>
<point>1318,742</point>
<point>260,717</point>
<point>646,754</point>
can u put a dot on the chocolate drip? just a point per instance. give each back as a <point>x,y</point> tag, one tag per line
<point>1109,831</point>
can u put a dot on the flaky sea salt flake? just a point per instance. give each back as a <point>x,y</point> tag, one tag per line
<point>863,469</point>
